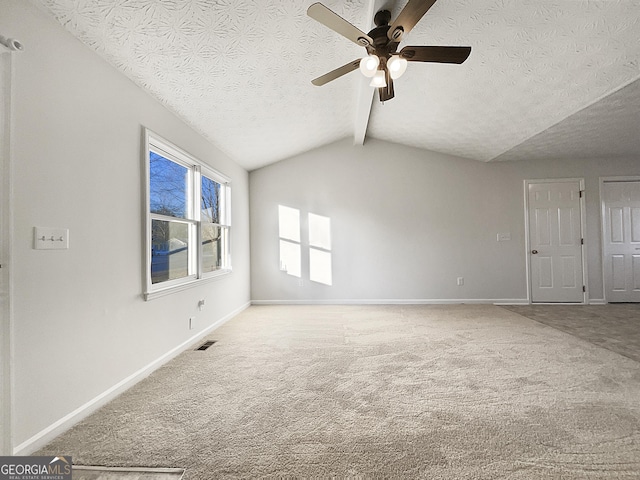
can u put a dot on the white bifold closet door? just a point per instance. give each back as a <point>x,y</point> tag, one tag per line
<point>621,240</point>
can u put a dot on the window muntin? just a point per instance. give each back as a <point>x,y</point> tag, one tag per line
<point>188,219</point>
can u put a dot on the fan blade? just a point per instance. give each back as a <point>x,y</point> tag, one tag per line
<point>411,14</point>
<point>436,54</point>
<point>335,22</point>
<point>338,72</point>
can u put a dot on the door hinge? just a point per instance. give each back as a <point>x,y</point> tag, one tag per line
<point>581,192</point>
<point>584,289</point>
<point>582,241</point>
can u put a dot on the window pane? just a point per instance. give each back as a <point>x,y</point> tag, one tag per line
<point>289,223</point>
<point>168,187</point>
<point>319,231</point>
<point>320,266</point>
<point>210,202</point>
<point>212,247</point>
<point>169,250</point>
<point>290,258</point>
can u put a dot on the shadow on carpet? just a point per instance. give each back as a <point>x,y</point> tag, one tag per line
<point>615,327</point>
<point>82,472</point>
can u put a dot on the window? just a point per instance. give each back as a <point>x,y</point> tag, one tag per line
<point>188,219</point>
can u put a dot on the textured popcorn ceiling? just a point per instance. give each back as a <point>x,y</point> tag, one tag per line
<point>240,72</point>
<point>590,133</point>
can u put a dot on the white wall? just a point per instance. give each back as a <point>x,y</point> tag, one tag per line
<point>5,250</point>
<point>80,323</point>
<point>406,223</point>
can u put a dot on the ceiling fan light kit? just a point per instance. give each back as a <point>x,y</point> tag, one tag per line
<point>383,62</point>
<point>378,80</point>
<point>397,66</point>
<point>369,65</point>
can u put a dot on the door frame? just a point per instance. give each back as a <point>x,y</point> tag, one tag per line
<point>6,270</point>
<point>603,220</point>
<point>583,221</point>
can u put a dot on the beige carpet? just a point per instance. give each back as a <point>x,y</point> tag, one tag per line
<point>437,392</point>
<point>615,326</point>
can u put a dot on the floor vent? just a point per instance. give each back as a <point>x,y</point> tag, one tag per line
<point>206,345</point>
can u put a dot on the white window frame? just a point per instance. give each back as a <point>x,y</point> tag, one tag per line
<point>196,170</point>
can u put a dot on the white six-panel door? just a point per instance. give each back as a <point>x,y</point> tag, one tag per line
<point>555,242</point>
<point>621,240</point>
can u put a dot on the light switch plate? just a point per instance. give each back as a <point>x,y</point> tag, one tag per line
<point>46,238</point>
<point>504,237</point>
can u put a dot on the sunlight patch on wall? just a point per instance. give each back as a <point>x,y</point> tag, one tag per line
<point>319,231</point>
<point>290,258</point>
<point>289,231</point>
<point>289,223</point>
<point>320,266</point>
<point>320,249</point>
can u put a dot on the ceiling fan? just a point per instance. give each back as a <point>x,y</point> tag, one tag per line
<point>383,62</point>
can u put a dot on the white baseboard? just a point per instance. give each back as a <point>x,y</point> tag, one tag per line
<point>597,301</point>
<point>395,301</point>
<point>43,437</point>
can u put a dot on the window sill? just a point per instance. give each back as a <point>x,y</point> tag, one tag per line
<point>161,292</point>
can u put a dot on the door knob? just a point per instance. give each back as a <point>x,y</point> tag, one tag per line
<point>534,252</point>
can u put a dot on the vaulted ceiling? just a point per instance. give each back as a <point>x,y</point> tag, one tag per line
<point>545,78</point>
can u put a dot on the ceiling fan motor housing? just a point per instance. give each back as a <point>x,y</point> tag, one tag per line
<point>382,46</point>
<point>383,17</point>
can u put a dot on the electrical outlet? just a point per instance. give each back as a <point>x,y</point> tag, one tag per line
<point>301,283</point>
<point>460,281</point>
<point>192,321</point>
